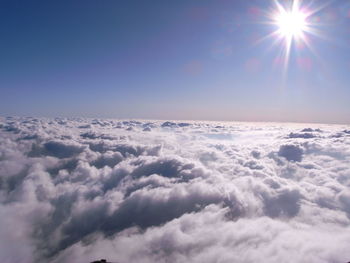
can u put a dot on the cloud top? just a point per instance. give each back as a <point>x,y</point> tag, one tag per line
<point>76,190</point>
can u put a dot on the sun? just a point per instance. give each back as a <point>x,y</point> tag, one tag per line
<point>291,24</point>
<point>294,27</point>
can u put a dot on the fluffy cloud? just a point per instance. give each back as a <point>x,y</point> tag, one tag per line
<point>76,190</point>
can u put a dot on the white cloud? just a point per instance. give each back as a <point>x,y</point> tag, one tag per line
<point>76,190</point>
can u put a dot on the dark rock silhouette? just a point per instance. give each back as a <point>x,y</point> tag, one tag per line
<point>102,261</point>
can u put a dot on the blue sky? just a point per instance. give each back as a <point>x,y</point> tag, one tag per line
<point>185,59</point>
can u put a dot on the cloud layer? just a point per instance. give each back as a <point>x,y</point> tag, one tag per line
<point>76,190</point>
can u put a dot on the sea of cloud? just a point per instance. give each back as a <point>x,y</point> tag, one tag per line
<point>77,190</point>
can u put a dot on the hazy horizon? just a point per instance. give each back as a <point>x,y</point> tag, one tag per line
<point>179,120</point>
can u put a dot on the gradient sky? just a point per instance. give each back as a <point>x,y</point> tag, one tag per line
<point>183,59</point>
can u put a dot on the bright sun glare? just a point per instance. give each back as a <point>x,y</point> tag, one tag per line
<point>294,26</point>
<point>291,24</point>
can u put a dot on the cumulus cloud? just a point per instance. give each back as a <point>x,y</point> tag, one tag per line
<point>291,152</point>
<point>304,135</point>
<point>77,190</point>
